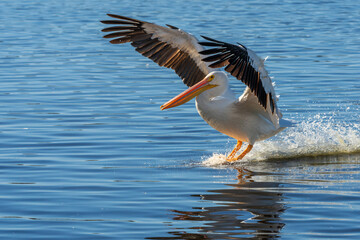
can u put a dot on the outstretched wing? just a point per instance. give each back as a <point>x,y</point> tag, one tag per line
<point>244,65</point>
<point>169,47</point>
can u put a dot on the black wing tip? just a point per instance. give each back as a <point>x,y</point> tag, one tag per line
<point>123,18</point>
<point>219,43</point>
<point>242,45</point>
<point>226,54</point>
<point>212,51</point>
<point>125,23</point>
<point>210,44</point>
<point>105,29</point>
<point>211,39</point>
<point>205,37</point>
<point>161,52</point>
<point>172,27</point>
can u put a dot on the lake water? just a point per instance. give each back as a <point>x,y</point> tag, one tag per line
<point>86,152</point>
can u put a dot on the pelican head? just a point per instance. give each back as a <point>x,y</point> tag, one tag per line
<point>215,83</point>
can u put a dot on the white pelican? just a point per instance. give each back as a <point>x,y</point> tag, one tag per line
<point>252,117</point>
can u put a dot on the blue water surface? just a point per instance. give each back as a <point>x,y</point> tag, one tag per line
<point>86,152</point>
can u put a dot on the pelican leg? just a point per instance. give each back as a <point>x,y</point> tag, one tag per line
<point>246,151</point>
<point>230,157</point>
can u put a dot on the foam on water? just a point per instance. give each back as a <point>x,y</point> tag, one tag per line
<point>315,137</point>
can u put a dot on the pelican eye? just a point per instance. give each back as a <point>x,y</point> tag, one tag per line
<point>211,78</point>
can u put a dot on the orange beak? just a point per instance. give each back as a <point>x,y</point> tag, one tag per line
<point>189,94</point>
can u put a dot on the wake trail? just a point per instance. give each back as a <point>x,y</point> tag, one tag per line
<point>315,137</point>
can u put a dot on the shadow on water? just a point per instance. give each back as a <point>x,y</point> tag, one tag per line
<point>248,209</point>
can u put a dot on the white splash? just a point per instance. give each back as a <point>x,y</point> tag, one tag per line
<point>314,137</point>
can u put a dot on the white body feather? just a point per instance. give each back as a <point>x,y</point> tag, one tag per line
<point>243,119</point>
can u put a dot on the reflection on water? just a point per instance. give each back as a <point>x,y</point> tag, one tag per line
<point>249,208</point>
<point>303,197</point>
